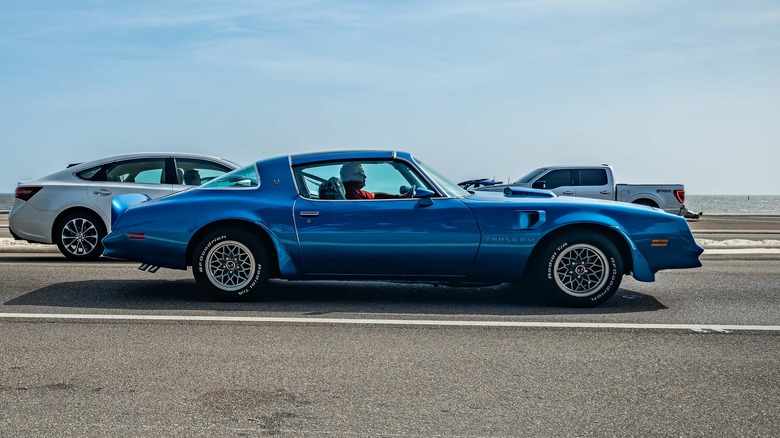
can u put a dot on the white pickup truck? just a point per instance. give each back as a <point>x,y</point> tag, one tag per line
<point>596,182</point>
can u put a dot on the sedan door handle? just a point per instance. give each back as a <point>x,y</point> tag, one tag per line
<point>310,213</point>
<point>102,192</point>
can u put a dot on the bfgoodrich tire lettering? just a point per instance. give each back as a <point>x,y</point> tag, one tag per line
<point>231,264</point>
<point>580,269</point>
<point>79,236</point>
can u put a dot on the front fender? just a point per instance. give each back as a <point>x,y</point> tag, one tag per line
<point>641,270</point>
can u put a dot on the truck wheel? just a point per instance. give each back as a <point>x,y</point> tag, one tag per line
<point>79,236</point>
<point>646,202</point>
<point>580,269</point>
<point>231,264</point>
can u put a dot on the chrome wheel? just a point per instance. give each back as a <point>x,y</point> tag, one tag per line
<point>79,236</point>
<point>581,270</point>
<point>230,265</point>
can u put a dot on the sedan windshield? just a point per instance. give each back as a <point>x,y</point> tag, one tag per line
<point>450,189</point>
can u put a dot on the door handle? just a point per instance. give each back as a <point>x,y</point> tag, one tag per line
<point>310,213</point>
<point>102,192</point>
<point>605,192</point>
<point>568,193</point>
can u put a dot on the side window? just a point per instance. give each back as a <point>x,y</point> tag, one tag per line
<point>243,178</point>
<point>194,172</point>
<point>357,180</point>
<point>557,178</point>
<point>311,179</point>
<point>593,177</point>
<point>92,174</point>
<point>144,171</point>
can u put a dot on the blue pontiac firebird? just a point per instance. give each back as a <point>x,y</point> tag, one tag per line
<point>383,215</point>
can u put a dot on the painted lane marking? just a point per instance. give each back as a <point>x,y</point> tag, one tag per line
<point>703,328</point>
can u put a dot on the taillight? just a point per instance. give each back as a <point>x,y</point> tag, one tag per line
<point>25,193</point>
<point>680,196</point>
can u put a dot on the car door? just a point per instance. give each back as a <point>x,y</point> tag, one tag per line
<point>393,236</point>
<point>593,183</point>
<point>140,175</point>
<point>386,237</point>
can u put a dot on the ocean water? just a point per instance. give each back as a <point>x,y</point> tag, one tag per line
<point>709,204</point>
<point>734,204</point>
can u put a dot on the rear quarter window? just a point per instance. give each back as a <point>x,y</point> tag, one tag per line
<point>92,174</point>
<point>244,178</point>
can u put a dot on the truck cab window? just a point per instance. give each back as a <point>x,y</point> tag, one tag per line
<point>593,177</point>
<point>558,178</point>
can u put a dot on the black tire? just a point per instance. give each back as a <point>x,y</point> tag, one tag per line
<point>580,269</point>
<point>231,264</point>
<point>646,202</point>
<point>79,236</point>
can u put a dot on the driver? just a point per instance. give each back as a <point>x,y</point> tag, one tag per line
<point>354,179</point>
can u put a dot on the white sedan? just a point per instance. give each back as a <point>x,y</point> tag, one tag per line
<point>72,208</point>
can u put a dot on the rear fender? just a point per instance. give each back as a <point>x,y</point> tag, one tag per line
<point>121,203</point>
<point>285,266</point>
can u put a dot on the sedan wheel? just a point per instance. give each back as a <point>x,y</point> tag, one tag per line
<point>79,236</point>
<point>231,264</point>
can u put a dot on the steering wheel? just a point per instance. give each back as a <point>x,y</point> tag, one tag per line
<point>412,191</point>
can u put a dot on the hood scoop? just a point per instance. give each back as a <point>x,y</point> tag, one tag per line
<point>525,192</point>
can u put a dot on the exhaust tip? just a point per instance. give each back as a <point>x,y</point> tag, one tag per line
<point>143,267</point>
<point>153,269</point>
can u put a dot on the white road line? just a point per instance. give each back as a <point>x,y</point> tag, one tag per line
<point>393,322</point>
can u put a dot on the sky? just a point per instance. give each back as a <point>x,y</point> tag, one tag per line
<point>665,91</point>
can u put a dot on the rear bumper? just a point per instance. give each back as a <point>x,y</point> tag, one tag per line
<point>28,223</point>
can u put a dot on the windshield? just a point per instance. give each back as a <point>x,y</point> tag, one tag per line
<point>450,189</point>
<point>530,175</point>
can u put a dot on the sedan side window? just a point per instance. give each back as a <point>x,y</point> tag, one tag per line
<point>145,171</point>
<point>243,178</point>
<point>194,172</point>
<point>92,174</point>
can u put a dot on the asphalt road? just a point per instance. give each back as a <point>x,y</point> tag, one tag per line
<point>700,358</point>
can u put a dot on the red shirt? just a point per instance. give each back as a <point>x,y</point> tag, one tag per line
<point>354,193</point>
